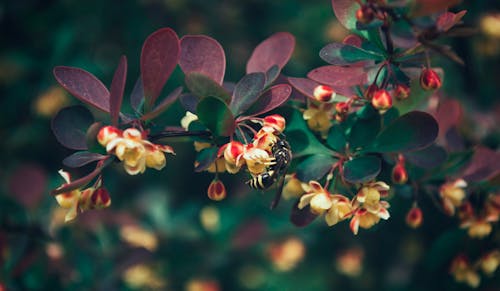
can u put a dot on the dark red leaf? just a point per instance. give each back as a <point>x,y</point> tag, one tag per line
<point>80,159</point>
<point>84,86</point>
<point>117,89</point>
<point>448,115</point>
<point>203,54</point>
<point>447,20</point>
<point>275,50</point>
<point>272,98</point>
<point>428,7</point>
<point>70,126</point>
<point>336,76</point>
<point>160,54</point>
<point>137,95</point>
<point>304,85</point>
<point>345,11</point>
<point>302,217</point>
<point>27,185</point>
<point>484,165</point>
<point>164,104</point>
<point>246,92</point>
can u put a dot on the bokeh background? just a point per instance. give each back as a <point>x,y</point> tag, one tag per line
<point>162,232</point>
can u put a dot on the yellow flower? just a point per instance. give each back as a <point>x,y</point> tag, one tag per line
<point>340,210</point>
<point>452,195</point>
<point>293,188</point>
<point>287,254</point>
<point>464,272</point>
<point>368,208</point>
<point>233,152</point>
<point>256,159</point>
<point>477,228</point>
<point>319,117</point>
<point>490,262</point>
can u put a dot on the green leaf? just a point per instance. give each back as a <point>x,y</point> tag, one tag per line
<point>205,158</point>
<point>202,86</point>
<point>314,167</point>
<point>344,54</point>
<point>364,131</point>
<point>361,169</point>
<point>247,91</point>
<point>336,138</point>
<point>412,131</point>
<point>216,116</point>
<point>442,251</point>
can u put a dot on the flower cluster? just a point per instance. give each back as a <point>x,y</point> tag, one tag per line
<point>479,225</point>
<point>464,271</point>
<point>365,209</point>
<point>132,148</point>
<point>78,200</point>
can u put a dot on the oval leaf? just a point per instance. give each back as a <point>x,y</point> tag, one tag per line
<point>336,138</point>
<point>270,99</point>
<point>203,86</point>
<point>345,11</point>
<point>428,158</point>
<point>84,86</point>
<point>164,104</point>
<point>361,169</point>
<point>247,91</point>
<point>216,116</point>
<point>79,159</point>
<point>314,167</point>
<point>70,126</point>
<point>302,217</point>
<point>343,54</point>
<point>137,95</point>
<point>275,50</point>
<point>203,54</point>
<point>160,54</point>
<point>117,89</point>
<point>189,102</point>
<point>336,76</point>
<point>412,131</point>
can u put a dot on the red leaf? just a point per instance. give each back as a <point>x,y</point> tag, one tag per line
<point>427,7</point>
<point>84,86</point>
<point>275,50</point>
<point>448,115</point>
<point>304,85</point>
<point>447,20</point>
<point>160,54</point>
<point>484,165</point>
<point>345,11</point>
<point>336,76</point>
<point>164,104</point>
<point>203,54</point>
<point>270,99</point>
<point>27,185</point>
<point>117,89</point>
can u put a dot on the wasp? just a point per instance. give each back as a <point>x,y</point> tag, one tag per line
<point>282,155</point>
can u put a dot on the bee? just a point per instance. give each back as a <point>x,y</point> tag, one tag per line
<point>282,155</point>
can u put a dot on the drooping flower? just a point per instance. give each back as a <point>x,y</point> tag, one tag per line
<point>414,217</point>
<point>382,100</point>
<point>287,254</point>
<point>368,209</point>
<point>452,195</point>
<point>216,190</point>
<point>429,79</point>
<point>319,117</point>
<point>402,91</point>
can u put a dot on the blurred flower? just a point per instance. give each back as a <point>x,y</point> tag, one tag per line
<point>382,100</point>
<point>452,195</point>
<point>341,111</point>
<point>477,228</point>
<point>429,79</point>
<point>202,285</point>
<point>402,91</point>
<point>54,251</point>
<point>187,119</point>
<point>216,190</point>
<point>293,187</point>
<point>130,147</point>
<point>399,174</point>
<point>414,217</point>
<point>287,254</point>
<point>81,200</point>
<point>319,117</point>
<point>490,25</point>
<point>350,262</point>
<point>323,93</point>
<point>251,277</point>
<point>489,262</point>
<point>137,236</point>
<point>49,102</point>
<point>142,277</point>
<point>364,14</point>
<point>462,271</point>
<point>210,218</point>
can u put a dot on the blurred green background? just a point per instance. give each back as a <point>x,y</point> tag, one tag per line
<point>162,232</point>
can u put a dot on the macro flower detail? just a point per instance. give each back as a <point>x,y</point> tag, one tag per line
<point>382,100</point>
<point>276,121</point>
<point>232,153</point>
<point>429,79</point>
<point>368,209</point>
<point>452,195</point>
<point>131,147</point>
<point>216,190</point>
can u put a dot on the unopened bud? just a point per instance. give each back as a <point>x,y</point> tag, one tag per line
<point>275,121</point>
<point>216,190</point>
<point>399,174</point>
<point>402,92</point>
<point>429,79</point>
<point>414,217</point>
<point>324,93</point>
<point>364,14</point>
<point>382,100</point>
<point>100,199</point>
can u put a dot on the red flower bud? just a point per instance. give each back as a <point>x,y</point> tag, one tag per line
<point>216,190</point>
<point>364,14</point>
<point>100,199</point>
<point>275,121</point>
<point>324,93</point>
<point>402,91</point>
<point>342,107</point>
<point>399,174</point>
<point>382,100</point>
<point>370,91</point>
<point>414,217</point>
<point>430,80</point>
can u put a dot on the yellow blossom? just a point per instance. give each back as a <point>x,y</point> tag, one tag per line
<point>319,117</point>
<point>452,195</point>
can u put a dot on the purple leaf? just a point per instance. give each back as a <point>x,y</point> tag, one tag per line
<point>272,98</point>
<point>275,50</point>
<point>484,165</point>
<point>345,11</point>
<point>70,126</point>
<point>79,183</point>
<point>80,159</point>
<point>272,75</point>
<point>116,91</point>
<point>84,86</point>
<point>303,85</point>
<point>447,20</point>
<point>247,91</point>
<point>336,76</point>
<point>448,115</point>
<point>137,95</point>
<point>164,104</point>
<point>203,54</point>
<point>160,54</point>
<point>301,217</point>
<point>189,102</point>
